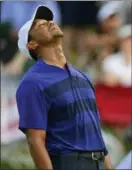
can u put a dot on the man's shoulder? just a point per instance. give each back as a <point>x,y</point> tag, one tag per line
<point>35,73</point>
<point>32,78</point>
<point>25,85</point>
<point>30,75</point>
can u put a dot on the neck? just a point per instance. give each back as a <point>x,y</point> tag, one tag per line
<point>53,55</point>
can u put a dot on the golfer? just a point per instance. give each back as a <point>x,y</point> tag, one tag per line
<point>56,103</point>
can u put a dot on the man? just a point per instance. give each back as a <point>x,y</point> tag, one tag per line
<point>56,102</point>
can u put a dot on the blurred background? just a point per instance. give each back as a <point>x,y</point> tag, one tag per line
<point>97,40</point>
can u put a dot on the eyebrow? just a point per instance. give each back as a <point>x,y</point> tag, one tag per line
<point>35,23</point>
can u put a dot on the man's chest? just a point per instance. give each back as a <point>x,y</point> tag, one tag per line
<point>69,96</point>
<point>69,88</point>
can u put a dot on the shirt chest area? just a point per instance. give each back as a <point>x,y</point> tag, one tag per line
<point>66,89</point>
<point>70,98</point>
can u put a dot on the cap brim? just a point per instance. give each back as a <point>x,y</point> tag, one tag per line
<point>44,12</point>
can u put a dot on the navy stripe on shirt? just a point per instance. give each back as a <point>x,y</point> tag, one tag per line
<point>70,110</point>
<point>65,85</point>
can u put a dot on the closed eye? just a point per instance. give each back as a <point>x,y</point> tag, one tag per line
<point>39,24</point>
<point>36,24</point>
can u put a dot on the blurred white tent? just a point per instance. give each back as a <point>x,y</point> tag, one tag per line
<point>126,162</point>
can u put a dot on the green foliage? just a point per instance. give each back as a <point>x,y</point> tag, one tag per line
<point>16,156</point>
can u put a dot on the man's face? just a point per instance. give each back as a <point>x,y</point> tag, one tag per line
<point>45,32</point>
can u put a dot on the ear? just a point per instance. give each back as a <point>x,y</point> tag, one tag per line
<point>32,45</point>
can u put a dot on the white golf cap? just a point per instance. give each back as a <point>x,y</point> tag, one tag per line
<point>107,10</point>
<point>41,12</point>
<point>125,31</point>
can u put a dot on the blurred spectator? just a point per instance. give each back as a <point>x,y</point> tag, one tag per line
<point>124,9</point>
<point>104,41</point>
<point>105,38</point>
<point>8,43</point>
<point>117,67</point>
<point>11,60</point>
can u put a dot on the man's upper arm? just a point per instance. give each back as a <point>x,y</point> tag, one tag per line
<point>35,136</point>
<point>32,107</point>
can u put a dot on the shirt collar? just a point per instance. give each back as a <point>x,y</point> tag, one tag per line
<point>41,61</point>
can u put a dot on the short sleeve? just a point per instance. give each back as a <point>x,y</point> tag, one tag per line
<point>105,151</point>
<point>32,107</point>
